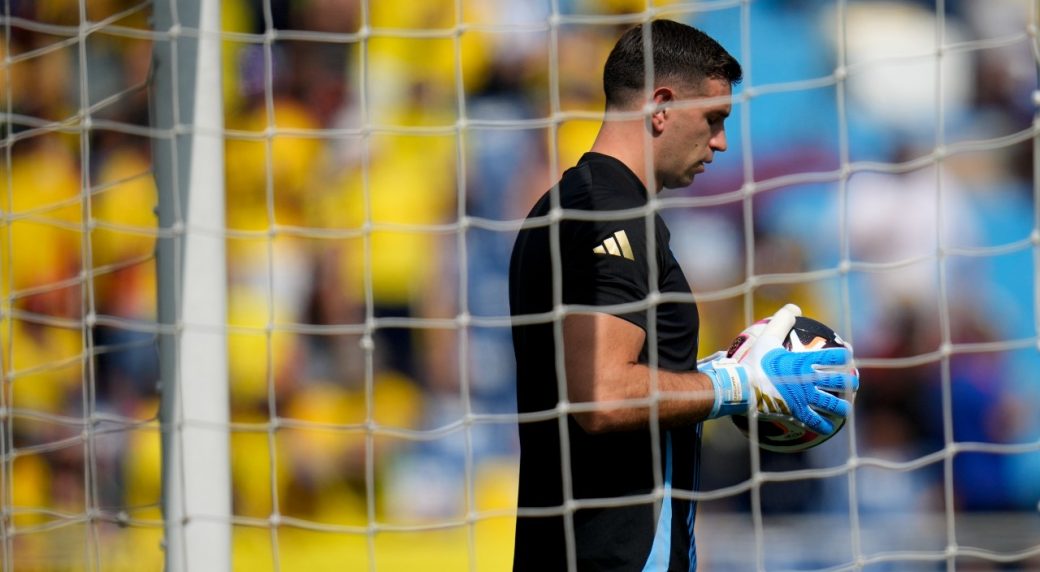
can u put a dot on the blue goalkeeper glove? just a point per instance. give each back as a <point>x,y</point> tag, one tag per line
<point>776,381</point>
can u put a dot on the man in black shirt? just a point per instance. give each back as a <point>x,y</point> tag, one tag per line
<point>606,440</point>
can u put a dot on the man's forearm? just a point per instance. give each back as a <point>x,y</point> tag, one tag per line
<point>640,393</point>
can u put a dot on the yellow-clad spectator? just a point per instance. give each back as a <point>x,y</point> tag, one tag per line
<point>407,187</point>
<point>40,254</point>
<point>581,100</point>
<point>236,18</point>
<point>40,193</point>
<point>140,547</point>
<point>263,362</point>
<point>44,367</point>
<point>30,490</point>
<point>142,470</point>
<point>271,167</point>
<point>325,443</point>
<point>253,464</point>
<point>398,62</point>
<point>124,234</point>
<point>264,368</point>
<point>268,181</point>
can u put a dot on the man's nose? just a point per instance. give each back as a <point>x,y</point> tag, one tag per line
<point>718,141</point>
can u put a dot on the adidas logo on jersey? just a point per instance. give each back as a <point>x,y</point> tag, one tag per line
<point>616,245</point>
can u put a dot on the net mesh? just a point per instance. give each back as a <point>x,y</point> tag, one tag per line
<point>380,158</point>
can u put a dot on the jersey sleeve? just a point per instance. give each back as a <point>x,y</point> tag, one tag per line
<point>605,263</point>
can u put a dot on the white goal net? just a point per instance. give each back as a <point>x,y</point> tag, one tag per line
<point>254,264</point>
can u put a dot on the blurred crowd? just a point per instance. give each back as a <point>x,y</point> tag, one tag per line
<point>379,183</point>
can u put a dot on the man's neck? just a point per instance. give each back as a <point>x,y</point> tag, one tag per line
<point>626,142</point>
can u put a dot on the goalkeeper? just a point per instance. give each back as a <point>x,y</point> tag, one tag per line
<point>621,262</point>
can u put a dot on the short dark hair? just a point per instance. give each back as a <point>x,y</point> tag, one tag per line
<point>680,52</point>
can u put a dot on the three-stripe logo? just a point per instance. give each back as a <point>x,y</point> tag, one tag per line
<point>616,245</point>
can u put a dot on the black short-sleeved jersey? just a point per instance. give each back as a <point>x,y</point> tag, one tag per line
<point>602,262</point>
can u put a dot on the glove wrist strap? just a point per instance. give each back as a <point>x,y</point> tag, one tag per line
<point>732,388</point>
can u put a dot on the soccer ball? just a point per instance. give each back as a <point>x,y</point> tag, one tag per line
<point>782,433</point>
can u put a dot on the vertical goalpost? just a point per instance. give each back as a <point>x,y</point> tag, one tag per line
<point>189,171</point>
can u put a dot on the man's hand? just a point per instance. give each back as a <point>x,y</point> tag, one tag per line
<point>776,381</point>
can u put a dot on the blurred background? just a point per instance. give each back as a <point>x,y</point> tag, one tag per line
<point>889,191</point>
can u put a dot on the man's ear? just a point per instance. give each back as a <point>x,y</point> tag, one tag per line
<point>663,97</point>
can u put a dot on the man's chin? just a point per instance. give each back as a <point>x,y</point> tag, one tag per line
<point>679,183</point>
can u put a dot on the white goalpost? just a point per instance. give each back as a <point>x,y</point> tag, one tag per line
<point>254,260</point>
<point>192,282</point>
